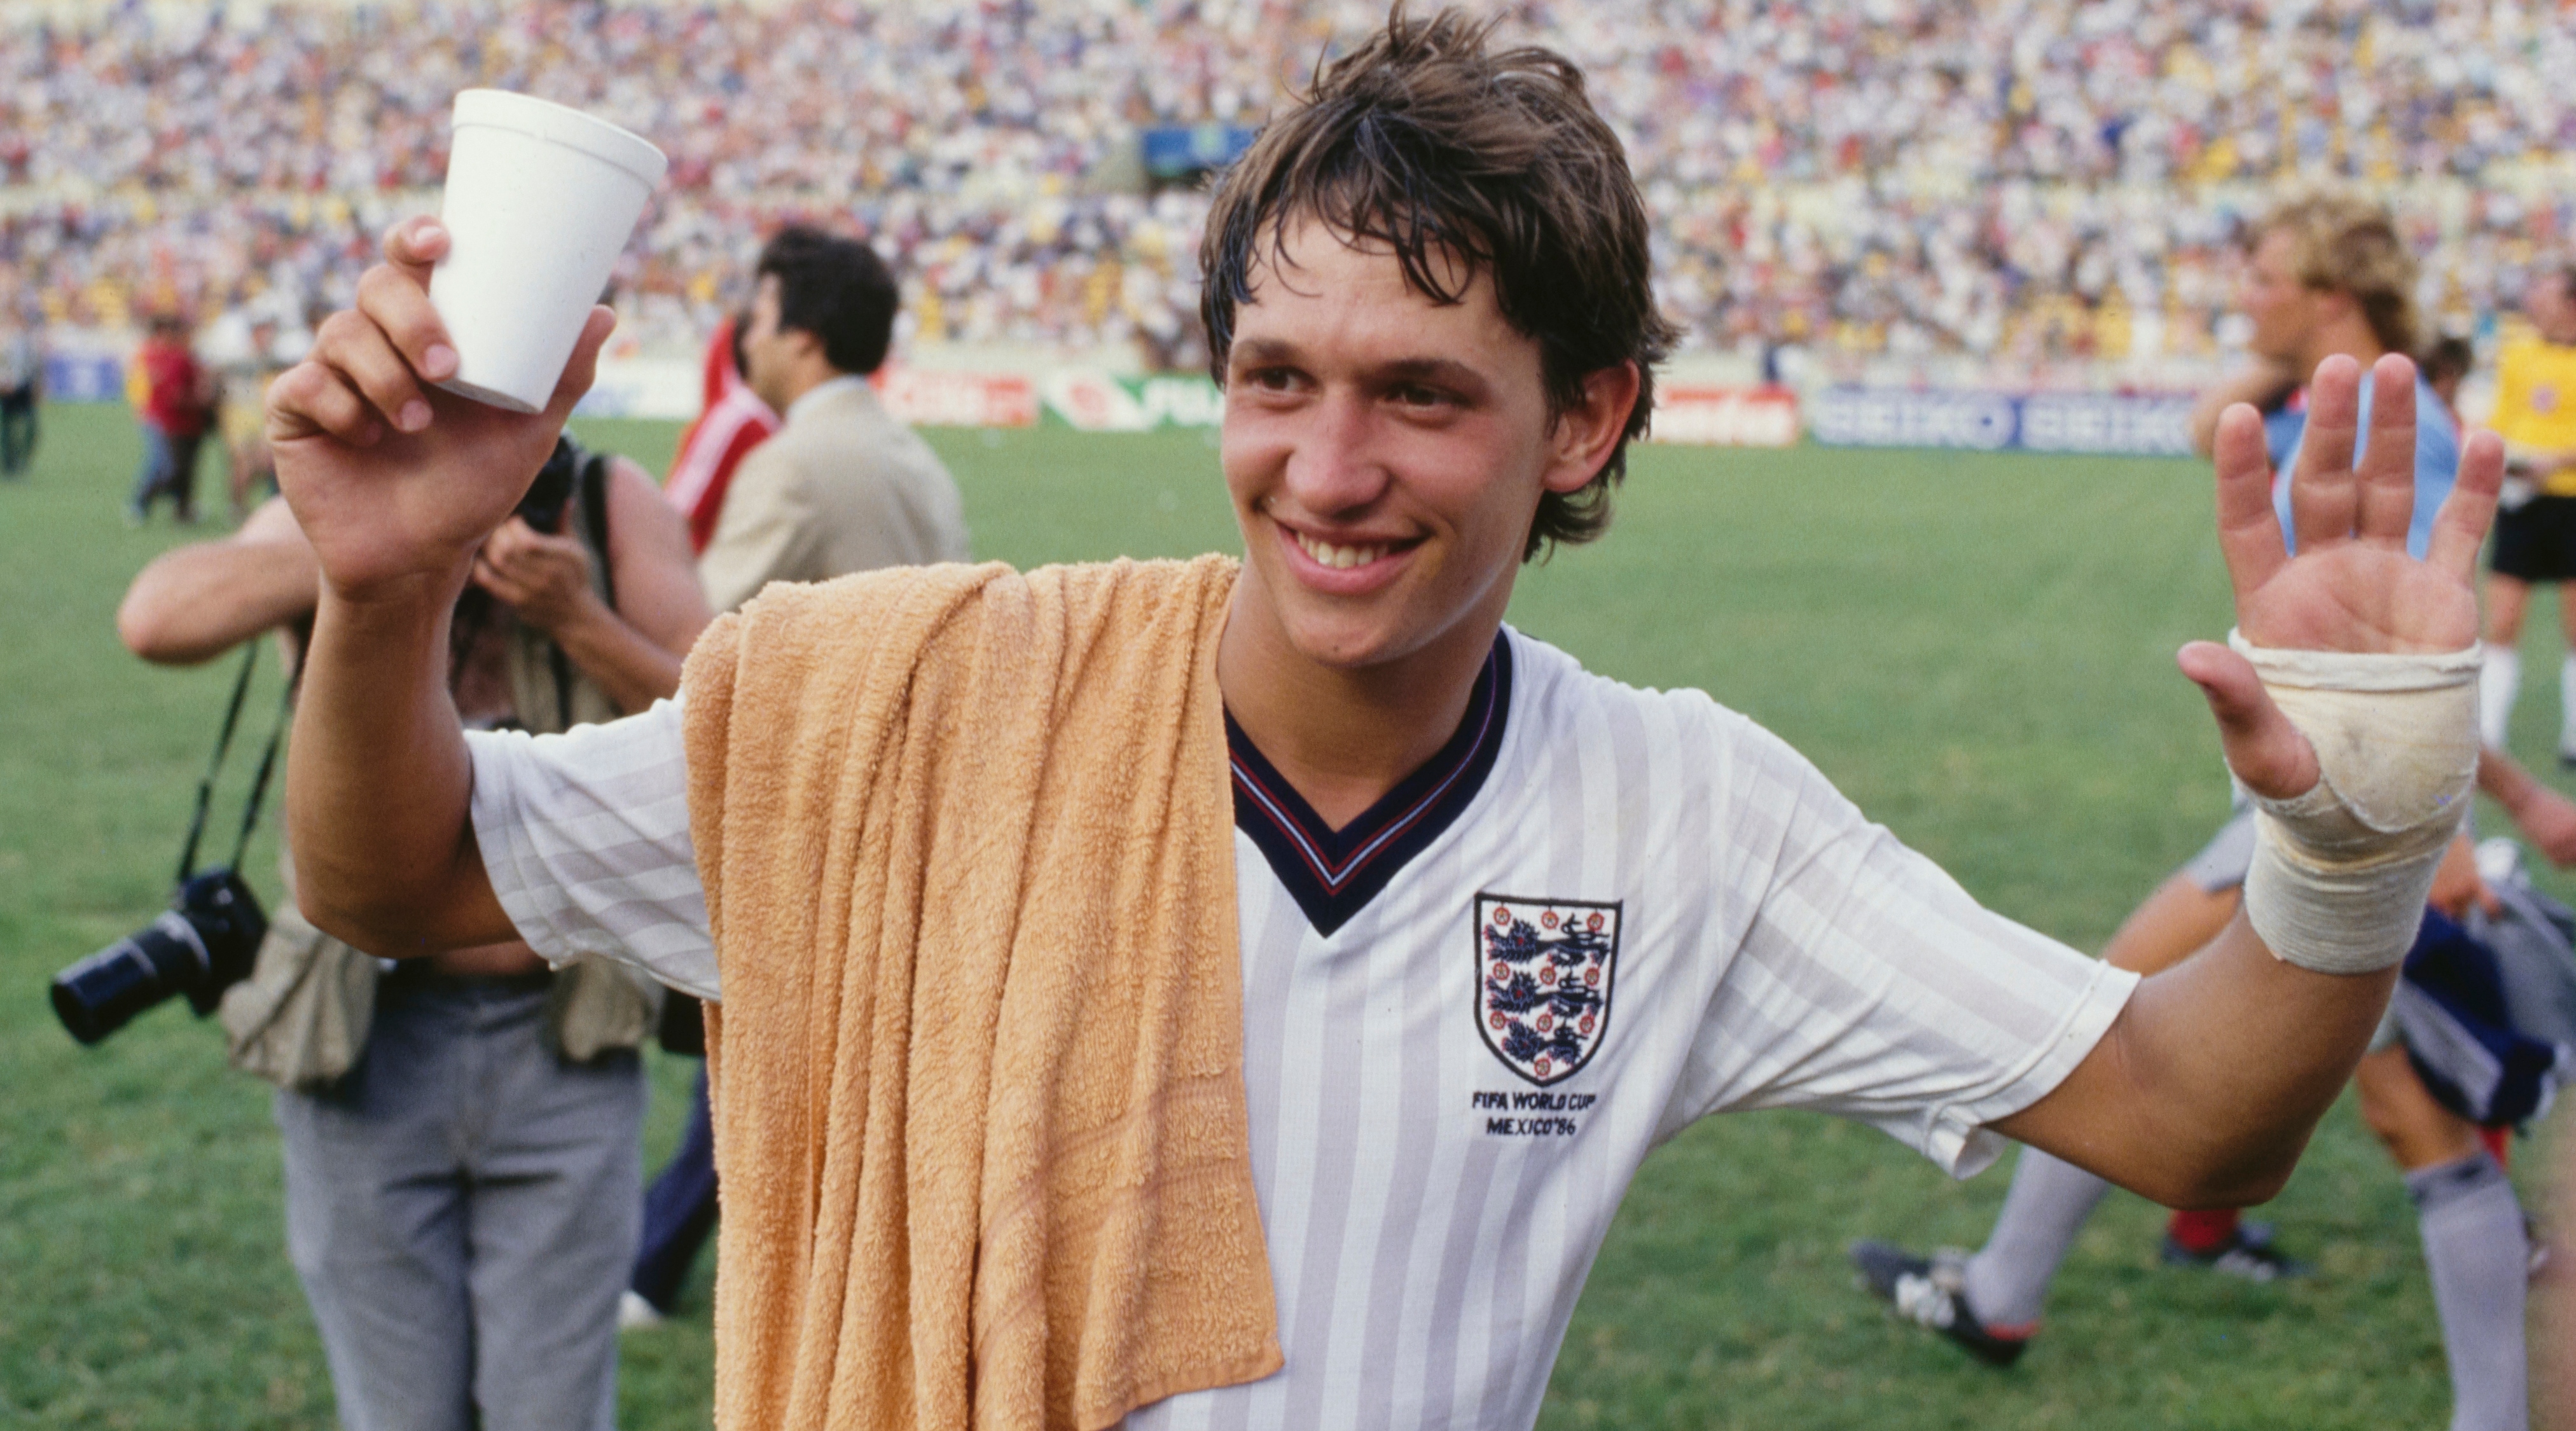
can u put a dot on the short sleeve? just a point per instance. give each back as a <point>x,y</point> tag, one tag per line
<point>2437,464</point>
<point>1868,984</point>
<point>585,837</point>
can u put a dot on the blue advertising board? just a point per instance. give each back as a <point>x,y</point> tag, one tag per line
<point>2106,423</point>
<point>2102,423</point>
<point>84,377</point>
<point>1897,417</point>
<point>1177,151</point>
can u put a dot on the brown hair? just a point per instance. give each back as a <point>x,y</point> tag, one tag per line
<point>2449,356</point>
<point>2343,243</point>
<point>1429,143</point>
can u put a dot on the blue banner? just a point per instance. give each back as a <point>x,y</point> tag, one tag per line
<point>2098,423</point>
<point>84,377</point>
<point>1177,151</point>
<point>1897,417</point>
<point>2095,422</point>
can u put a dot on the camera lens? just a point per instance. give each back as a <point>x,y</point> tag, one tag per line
<point>204,946</point>
<point>98,995</point>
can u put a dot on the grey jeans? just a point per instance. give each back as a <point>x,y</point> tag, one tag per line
<point>461,1209</point>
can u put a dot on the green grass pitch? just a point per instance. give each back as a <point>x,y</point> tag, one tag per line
<point>1977,648</point>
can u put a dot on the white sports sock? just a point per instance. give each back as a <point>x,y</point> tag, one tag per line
<point>2567,704</point>
<point>2499,680</point>
<point>2474,1247</point>
<point>2007,1281</point>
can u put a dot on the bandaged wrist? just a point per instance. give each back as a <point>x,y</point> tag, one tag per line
<point>2340,873</point>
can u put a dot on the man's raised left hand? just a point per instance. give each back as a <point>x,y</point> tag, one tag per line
<point>2351,587</point>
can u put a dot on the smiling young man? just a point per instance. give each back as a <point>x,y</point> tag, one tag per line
<point>1502,925</point>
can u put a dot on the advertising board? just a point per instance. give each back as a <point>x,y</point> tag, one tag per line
<point>2110,424</point>
<point>1879,417</point>
<point>1712,415</point>
<point>84,377</point>
<point>1090,400</point>
<point>2102,423</point>
<point>934,397</point>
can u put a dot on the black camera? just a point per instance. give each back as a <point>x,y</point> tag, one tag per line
<point>202,946</point>
<point>543,507</point>
<point>210,936</point>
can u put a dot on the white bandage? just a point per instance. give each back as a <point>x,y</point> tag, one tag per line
<point>2340,873</point>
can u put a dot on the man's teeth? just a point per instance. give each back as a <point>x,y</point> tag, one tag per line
<point>1327,554</point>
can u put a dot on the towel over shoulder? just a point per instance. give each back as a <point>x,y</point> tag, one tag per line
<point>966,838</point>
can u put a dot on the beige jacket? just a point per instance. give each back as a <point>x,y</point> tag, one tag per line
<point>843,487</point>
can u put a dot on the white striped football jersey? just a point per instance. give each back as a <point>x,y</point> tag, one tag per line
<point>1597,915</point>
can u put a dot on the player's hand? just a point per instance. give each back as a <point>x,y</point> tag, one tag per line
<point>544,578</point>
<point>2548,820</point>
<point>2352,587</point>
<point>2456,885</point>
<point>395,481</point>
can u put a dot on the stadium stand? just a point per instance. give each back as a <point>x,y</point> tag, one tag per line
<point>2035,188</point>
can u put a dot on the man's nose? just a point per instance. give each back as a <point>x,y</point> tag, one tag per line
<point>1336,466</point>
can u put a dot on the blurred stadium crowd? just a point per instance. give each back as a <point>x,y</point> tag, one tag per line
<point>2025,185</point>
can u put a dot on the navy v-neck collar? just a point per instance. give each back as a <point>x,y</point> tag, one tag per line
<point>1335,873</point>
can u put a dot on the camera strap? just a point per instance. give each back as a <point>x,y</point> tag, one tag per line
<point>591,491</point>
<point>214,767</point>
<point>259,783</point>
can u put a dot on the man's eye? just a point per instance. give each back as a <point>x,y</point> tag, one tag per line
<point>1274,380</point>
<point>1415,395</point>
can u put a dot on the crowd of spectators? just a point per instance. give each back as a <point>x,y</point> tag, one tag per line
<point>2022,182</point>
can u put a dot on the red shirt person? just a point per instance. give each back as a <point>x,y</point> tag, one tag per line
<point>170,393</point>
<point>732,421</point>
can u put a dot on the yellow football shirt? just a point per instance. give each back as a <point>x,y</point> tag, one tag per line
<point>2536,401</point>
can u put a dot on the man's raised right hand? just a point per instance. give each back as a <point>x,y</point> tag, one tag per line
<point>395,482</point>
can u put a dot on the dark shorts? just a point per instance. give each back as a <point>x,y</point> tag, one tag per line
<point>2536,541</point>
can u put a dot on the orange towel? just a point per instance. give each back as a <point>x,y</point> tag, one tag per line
<point>967,841</point>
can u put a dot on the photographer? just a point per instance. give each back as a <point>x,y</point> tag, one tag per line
<point>460,1132</point>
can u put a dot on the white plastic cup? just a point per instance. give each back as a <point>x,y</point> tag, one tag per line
<point>539,201</point>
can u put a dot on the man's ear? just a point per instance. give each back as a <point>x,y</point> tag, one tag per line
<point>1587,432</point>
<point>802,343</point>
